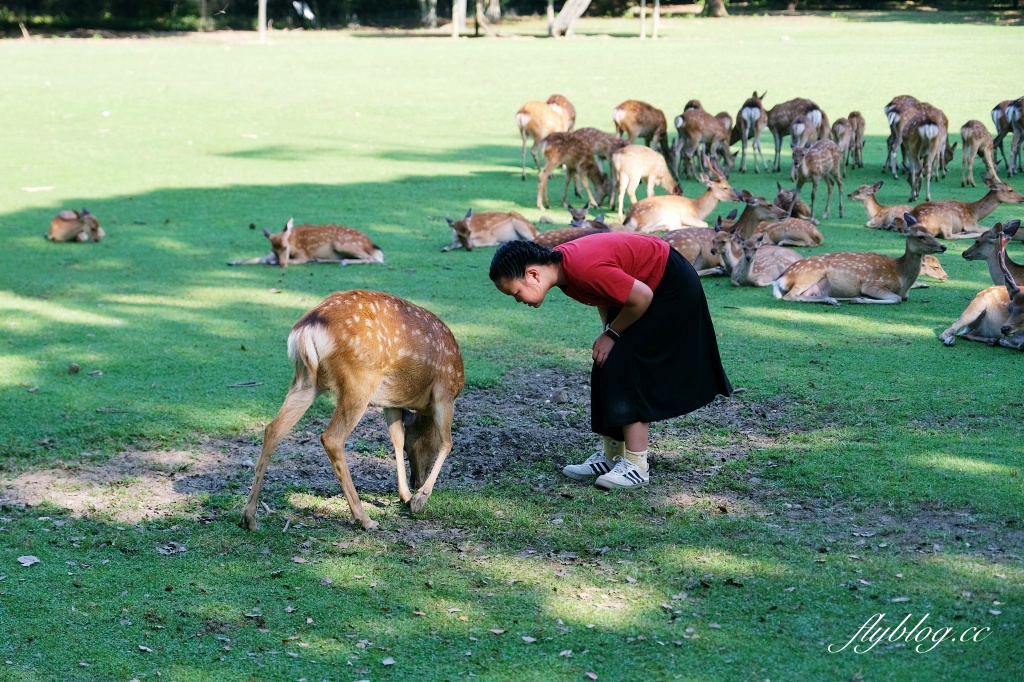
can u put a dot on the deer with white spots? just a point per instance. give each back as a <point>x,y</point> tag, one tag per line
<point>780,121</point>
<point>857,125</point>
<point>370,348</point>
<point>858,277</point>
<point>977,141</point>
<point>672,212</point>
<point>820,161</point>
<point>490,228</point>
<point>75,226</point>
<point>750,121</point>
<point>298,244</point>
<point>538,120</point>
<point>882,216</point>
<point>641,120</point>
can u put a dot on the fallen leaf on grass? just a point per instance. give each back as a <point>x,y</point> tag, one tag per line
<point>567,653</point>
<point>899,599</point>
<point>28,560</point>
<point>592,676</point>
<point>171,548</point>
<point>145,648</point>
<point>529,640</point>
<point>497,631</point>
<point>388,661</point>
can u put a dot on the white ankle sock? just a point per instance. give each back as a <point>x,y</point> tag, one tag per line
<point>637,458</point>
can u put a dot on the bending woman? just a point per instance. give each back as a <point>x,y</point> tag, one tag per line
<point>656,357</point>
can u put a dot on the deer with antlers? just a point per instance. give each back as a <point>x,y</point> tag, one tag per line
<point>75,226</point>
<point>538,120</point>
<point>672,212</point>
<point>820,161</point>
<point>959,219</point>
<point>633,163</point>
<point>883,217</point>
<point>780,121</point>
<point>573,152</point>
<point>858,277</point>
<point>489,229</point>
<point>366,348</point>
<point>299,244</point>
<point>636,119</point>
<point>751,119</point>
<point>996,314</point>
<point>977,141</point>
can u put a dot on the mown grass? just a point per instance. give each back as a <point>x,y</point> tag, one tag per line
<point>202,137</point>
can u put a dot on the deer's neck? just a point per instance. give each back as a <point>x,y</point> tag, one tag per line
<point>909,268</point>
<point>983,206</point>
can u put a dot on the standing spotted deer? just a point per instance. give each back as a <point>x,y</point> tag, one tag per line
<point>857,124</point>
<point>537,120</point>
<point>489,229</point>
<point>75,226</point>
<point>299,244</point>
<point>977,141</point>
<point>780,121</point>
<point>750,121</point>
<point>370,348</point>
<point>630,165</point>
<point>842,135</point>
<point>571,151</point>
<point>636,119</point>
<point>858,277</point>
<point>820,161</point>
<point>701,136</point>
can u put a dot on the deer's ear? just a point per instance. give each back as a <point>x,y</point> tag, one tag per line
<point>450,221</point>
<point>877,186</point>
<point>290,225</point>
<point>909,220</point>
<point>469,213</point>
<point>266,233</point>
<point>1011,227</point>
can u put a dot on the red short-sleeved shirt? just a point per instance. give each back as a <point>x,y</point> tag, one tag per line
<point>600,268</point>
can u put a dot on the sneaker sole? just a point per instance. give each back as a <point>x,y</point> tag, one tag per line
<point>578,477</point>
<point>606,485</point>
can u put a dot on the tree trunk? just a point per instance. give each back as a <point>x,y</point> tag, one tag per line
<point>261,20</point>
<point>493,11</point>
<point>715,8</point>
<point>571,11</point>
<point>657,19</point>
<point>458,17</point>
<point>643,19</point>
<point>428,13</point>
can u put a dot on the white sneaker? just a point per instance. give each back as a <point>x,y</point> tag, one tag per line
<point>595,465</point>
<point>624,475</point>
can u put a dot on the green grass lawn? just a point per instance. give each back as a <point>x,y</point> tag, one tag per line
<point>891,485</point>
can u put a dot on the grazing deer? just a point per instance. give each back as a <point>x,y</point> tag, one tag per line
<point>789,232</point>
<point>842,135</point>
<point>820,161</point>
<point>1003,128</point>
<point>696,244</point>
<point>578,158</point>
<point>633,163</point>
<point>751,263</point>
<point>757,211</point>
<point>858,277</point>
<point>537,120</point>
<point>996,314</point>
<point>780,120</point>
<point>750,121</point>
<point>881,217</point>
<point>987,248</point>
<point>641,120</point>
<point>977,141</point>
<point>298,244</point>
<point>673,212</point>
<point>564,108</point>
<point>703,136</point>
<point>489,229</point>
<point>367,348</point>
<point>787,200</point>
<point>959,219</point>
<point>857,143</point>
<point>75,226</point>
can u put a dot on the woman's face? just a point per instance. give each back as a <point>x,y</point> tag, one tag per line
<point>528,290</point>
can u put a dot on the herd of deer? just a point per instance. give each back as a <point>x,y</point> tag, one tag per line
<point>373,348</point>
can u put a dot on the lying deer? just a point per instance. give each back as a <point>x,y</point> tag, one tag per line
<point>489,229</point>
<point>579,226</point>
<point>673,212</point>
<point>977,141</point>
<point>757,211</point>
<point>858,277</point>
<point>366,348</point>
<point>996,314</point>
<point>298,244</point>
<point>959,219</point>
<point>787,200</point>
<point>571,151</point>
<point>750,263</point>
<point>750,121</point>
<point>789,232</point>
<point>638,119</point>
<point>696,244</point>
<point>75,226</point>
<point>881,216</point>
<point>537,120</point>
<point>820,161</point>
<point>633,163</point>
<point>857,144</point>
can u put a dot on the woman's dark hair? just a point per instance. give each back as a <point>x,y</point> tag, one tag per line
<point>512,258</point>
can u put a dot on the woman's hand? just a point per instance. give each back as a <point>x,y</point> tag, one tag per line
<point>603,345</point>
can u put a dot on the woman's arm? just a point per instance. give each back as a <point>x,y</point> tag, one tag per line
<point>639,299</point>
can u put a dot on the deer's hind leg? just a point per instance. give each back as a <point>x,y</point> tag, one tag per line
<point>396,429</point>
<point>352,404</point>
<point>444,412</point>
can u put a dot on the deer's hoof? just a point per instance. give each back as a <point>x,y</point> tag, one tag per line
<point>418,502</point>
<point>248,522</point>
<point>369,524</point>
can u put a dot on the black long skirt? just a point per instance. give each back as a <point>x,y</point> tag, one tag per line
<point>666,364</point>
